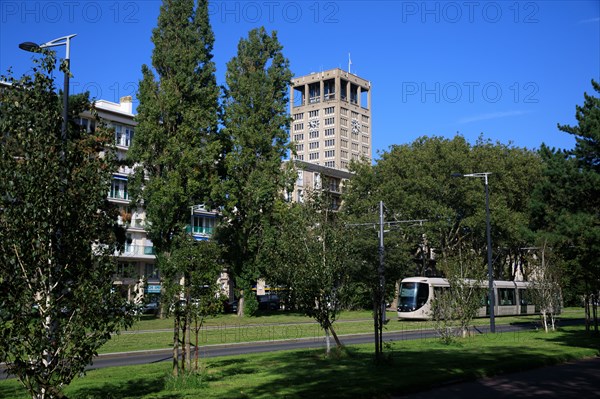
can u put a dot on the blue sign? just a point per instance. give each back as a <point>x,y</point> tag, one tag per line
<point>153,289</point>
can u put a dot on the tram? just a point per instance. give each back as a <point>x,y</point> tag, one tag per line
<point>416,295</point>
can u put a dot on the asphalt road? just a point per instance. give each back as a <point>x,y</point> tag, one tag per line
<point>154,356</point>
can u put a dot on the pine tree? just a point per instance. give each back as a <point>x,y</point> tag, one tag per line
<point>256,123</point>
<point>177,145</point>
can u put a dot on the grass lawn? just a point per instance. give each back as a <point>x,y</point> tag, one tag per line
<point>152,333</point>
<point>411,365</point>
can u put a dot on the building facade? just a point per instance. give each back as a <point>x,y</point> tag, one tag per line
<point>331,114</point>
<point>331,125</point>
<point>137,275</point>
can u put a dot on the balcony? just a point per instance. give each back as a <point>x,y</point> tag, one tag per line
<point>137,251</point>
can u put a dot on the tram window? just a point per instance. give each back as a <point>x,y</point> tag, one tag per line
<point>506,296</point>
<point>524,297</point>
<point>422,294</point>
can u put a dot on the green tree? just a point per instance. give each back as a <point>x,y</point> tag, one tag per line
<point>414,181</point>
<point>176,148</point>
<point>545,288</point>
<point>58,235</point>
<point>455,308</point>
<point>255,124</point>
<point>566,204</point>
<point>309,256</point>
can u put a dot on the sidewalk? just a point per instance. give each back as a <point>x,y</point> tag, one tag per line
<point>578,379</point>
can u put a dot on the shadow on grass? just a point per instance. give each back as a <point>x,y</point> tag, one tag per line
<point>132,388</point>
<point>303,374</point>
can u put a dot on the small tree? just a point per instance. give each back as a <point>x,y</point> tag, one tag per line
<point>314,250</point>
<point>545,290</point>
<point>454,309</point>
<point>191,274</point>
<point>58,235</point>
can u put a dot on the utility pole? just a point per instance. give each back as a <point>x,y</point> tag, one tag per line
<point>379,305</point>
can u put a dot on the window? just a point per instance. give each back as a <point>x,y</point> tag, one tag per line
<point>344,164</point>
<point>313,114</point>
<point>365,129</point>
<point>344,132</point>
<point>354,146</point>
<point>355,136</point>
<point>123,135</point>
<point>314,134</point>
<point>118,188</point>
<point>314,93</point>
<point>344,155</point>
<point>354,115</point>
<point>365,118</point>
<point>344,121</point>
<point>365,139</point>
<point>299,157</point>
<point>344,111</point>
<point>299,126</point>
<point>299,147</point>
<point>299,137</point>
<point>203,224</point>
<point>87,125</point>
<point>329,121</point>
<point>329,143</point>
<point>506,297</point>
<point>316,180</point>
<point>151,271</point>
<point>344,143</point>
<point>330,131</point>
<point>125,270</point>
<point>314,145</point>
<point>330,164</point>
<point>365,150</point>
<point>329,89</point>
<point>299,116</point>
<point>329,110</point>
<point>300,180</point>
<point>313,155</point>
<point>300,196</point>
<point>329,153</point>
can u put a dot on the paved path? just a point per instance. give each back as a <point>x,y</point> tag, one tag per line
<point>578,379</point>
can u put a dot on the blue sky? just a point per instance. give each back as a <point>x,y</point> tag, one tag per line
<point>505,69</point>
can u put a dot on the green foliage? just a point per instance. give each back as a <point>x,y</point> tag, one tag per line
<point>57,236</point>
<point>455,308</point>
<point>566,203</point>
<point>310,256</point>
<point>176,146</point>
<point>250,304</point>
<point>255,126</point>
<point>176,151</point>
<point>414,181</point>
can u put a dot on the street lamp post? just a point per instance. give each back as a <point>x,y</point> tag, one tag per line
<point>61,41</point>
<point>485,175</point>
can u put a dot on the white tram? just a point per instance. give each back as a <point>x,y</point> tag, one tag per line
<point>416,294</point>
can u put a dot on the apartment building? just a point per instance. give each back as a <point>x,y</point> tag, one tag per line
<point>137,276</point>
<point>331,112</point>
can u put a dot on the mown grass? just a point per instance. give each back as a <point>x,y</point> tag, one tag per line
<point>148,334</point>
<point>410,366</point>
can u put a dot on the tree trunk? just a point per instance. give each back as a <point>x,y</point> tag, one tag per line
<point>394,304</point>
<point>335,337</point>
<point>240,311</point>
<point>175,346</point>
<point>327,343</point>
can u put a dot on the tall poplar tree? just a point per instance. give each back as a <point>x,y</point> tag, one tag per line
<point>255,124</point>
<point>176,145</point>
